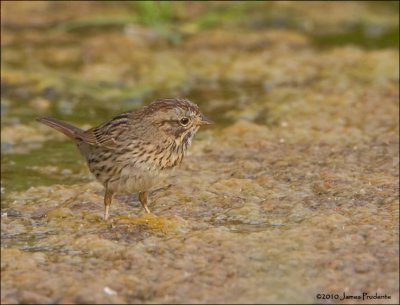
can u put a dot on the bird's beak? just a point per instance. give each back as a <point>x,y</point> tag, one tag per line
<point>204,120</point>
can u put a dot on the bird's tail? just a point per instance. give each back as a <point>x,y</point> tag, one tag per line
<point>64,127</point>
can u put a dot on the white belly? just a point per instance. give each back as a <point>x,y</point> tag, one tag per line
<point>139,178</point>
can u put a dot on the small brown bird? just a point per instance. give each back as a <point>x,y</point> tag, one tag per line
<point>135,150</point>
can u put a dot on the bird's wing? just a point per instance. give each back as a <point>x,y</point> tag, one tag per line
<point>108,134</point>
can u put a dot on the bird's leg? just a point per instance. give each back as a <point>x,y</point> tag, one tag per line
<point>107,202</point>
<point>143,201</point>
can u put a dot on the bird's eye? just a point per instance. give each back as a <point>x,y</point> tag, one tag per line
<point>184,121</point>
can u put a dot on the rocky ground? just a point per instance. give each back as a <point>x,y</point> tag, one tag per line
<point>292,193</point>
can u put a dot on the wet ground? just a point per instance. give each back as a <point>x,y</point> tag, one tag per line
<point>292,193</point>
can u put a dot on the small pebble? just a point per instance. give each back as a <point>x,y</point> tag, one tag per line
<point>109,291</point>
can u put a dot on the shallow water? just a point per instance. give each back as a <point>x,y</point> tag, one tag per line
<point>292,192</point>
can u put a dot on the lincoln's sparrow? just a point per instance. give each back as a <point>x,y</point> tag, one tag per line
<point>134,150</point>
